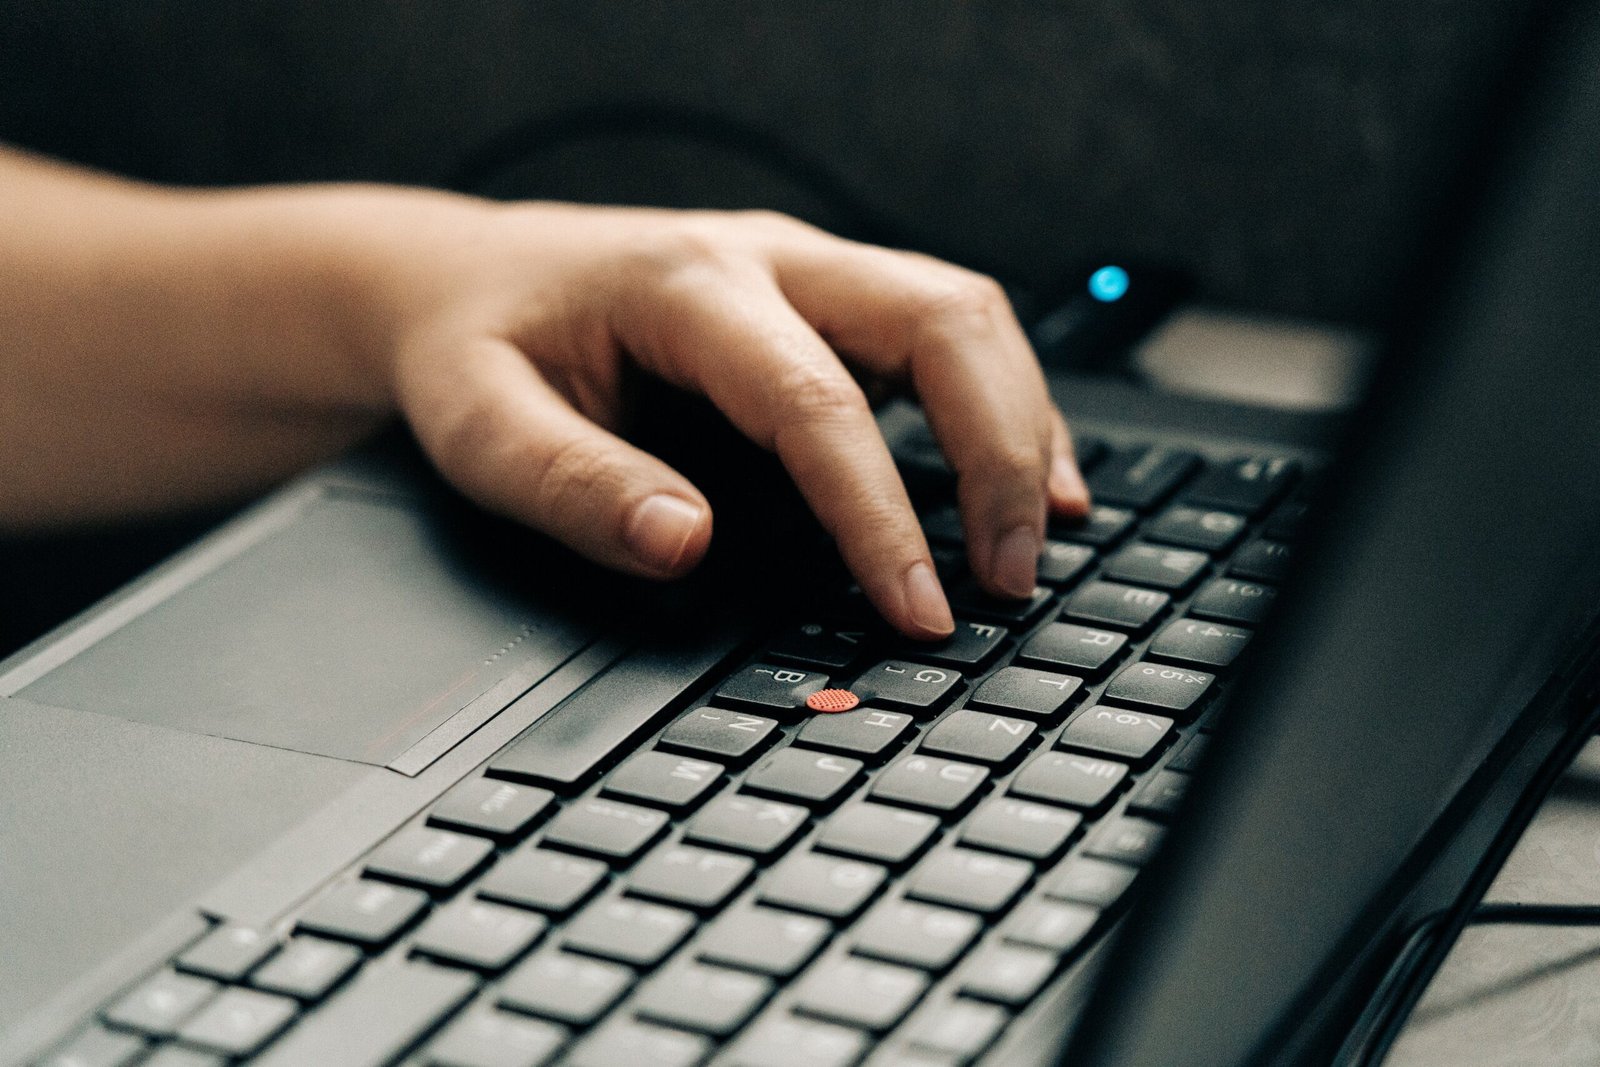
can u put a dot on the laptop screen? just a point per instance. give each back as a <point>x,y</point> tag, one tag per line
<point>1454,573</point>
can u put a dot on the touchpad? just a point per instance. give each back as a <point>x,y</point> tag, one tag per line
<point>354,631</point>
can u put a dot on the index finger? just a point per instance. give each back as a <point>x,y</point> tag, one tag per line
<point>952,335</point>
<point>734,337</point>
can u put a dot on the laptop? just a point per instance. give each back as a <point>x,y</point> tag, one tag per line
<point>364,778</point>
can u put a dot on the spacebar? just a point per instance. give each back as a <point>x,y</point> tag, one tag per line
<point>566,746</point>
<point>375,1019</point>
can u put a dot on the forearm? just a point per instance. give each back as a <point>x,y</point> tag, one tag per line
<point>162,348</point>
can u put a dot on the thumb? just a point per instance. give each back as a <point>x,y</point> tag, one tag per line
<point>503,436</point>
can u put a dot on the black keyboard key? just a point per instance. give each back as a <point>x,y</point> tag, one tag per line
<point>1102,527</point>
<point>1074,649</point>
<point>949,561</point>
<point>689,877</point>
<point>501,810</point>
<point>729,737</point>
<point>547,881</point>
<point>568,745</point>
<point>930,783</point>
<point>607,829</point>
<point>786,1041</point>
<point>664,780</point>
<point>771,688</point>
<point>1089,881</point>
<point>567,988</point>
<point>227,953</point>
<point>1188,757</point>
<point>1088,451</point>
<point>866,733</point>
<point>1131,736</point>
<point>775,943</point>
<point>634,932</point>
<point>160,1004</point>
<point>477,934</point>
<point>1261,560</point>
<point>828,886</point>
<point>970,647</point>
<point>860,993</point>
<point>979,737</point>
<point>957,1028</point>
<point>1054,926</point>
<point>363,912</point>
<point>1178,691</point>
<point>1127,840</point>
<point>1287,522</point>
<point>819,644</point>
<point>308,968</point>
<point>969,598</point>
<point>1062,563</point>
<point>1248,485</point>
<point>489,1038</point>
<point>974,881</point>
<point>1205,644</point>
<point>914,687</point>
<point>1201,528</point>
<point>1035,832</point>
<point>815,779</point>
<point>239,1022</point>
<point>436,860</point>
<point>747,824</point>
<point>1126,607</point>
<point>916,935</point>
<point>1164,568</point>
<point>1071,779</point>
<point>1006,974</point>
<point>879,833</point>
<point>1141,478</point>
<point>375,1018</point>
<point>1023,691</point>
<point>706,1000</point>
<point>99,1047</point>
<point>943,526</point>
<point>1230,600</point>
<point>1159,796</point>
<point>622,1041</point>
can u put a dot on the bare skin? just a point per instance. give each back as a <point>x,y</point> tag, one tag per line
<point>163,349</point>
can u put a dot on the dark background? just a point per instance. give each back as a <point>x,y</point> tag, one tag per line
<point>1287,153</point>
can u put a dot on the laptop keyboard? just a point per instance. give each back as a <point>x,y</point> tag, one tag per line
<point>675,867</point>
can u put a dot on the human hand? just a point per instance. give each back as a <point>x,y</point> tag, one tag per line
<point>169,348</point>
<point>504,330</point>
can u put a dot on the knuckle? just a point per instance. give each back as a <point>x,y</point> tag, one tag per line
<point>812,392</point>
<point>961,295</point>
<point>775,222</point>
<point>463,441</point>
<point>1013,462</point>
<point>681,251</point>
<point>574,469</point>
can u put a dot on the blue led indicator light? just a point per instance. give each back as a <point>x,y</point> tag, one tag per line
<point>1108,284</point>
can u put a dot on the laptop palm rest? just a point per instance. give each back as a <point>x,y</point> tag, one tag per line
<point>345,639</point>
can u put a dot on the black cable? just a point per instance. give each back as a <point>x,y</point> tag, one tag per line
<point>1536,914</point>
<point>1426,943</point>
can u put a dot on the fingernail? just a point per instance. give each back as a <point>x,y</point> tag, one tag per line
<point>1015,564</point>
<point>925,601</point>
<point>659,529</point>
<point>1065,481</point>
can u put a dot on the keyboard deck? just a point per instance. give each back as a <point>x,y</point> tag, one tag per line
<point>674,868</point>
